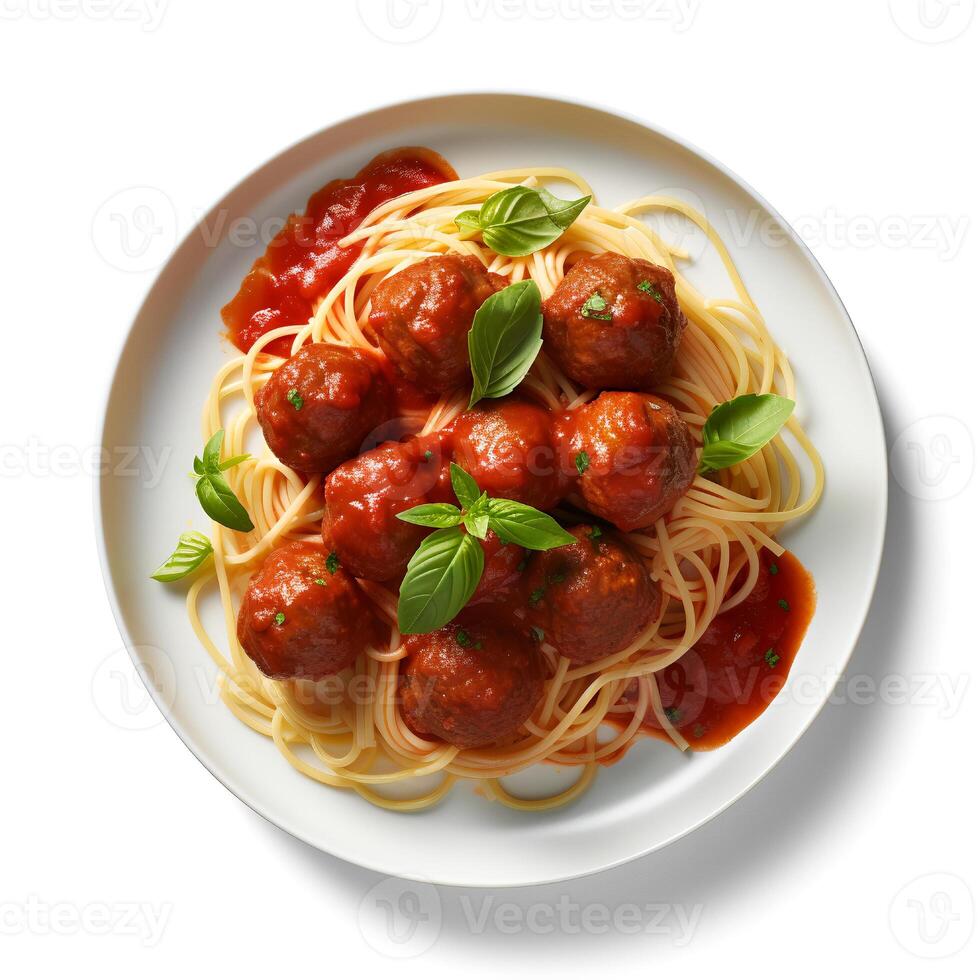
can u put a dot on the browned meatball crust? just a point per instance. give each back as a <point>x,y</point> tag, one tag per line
<point>636,456</point>
<point>471,683</point>
<point>317,409</point>
<point>422,315</point>
<point>299,619</point>
<point>590,599</point>
<point>614,322</point>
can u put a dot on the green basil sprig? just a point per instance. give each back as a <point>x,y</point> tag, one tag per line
<point>521,220</point>
<point>191,551</point>
<point>504,340</point>
<point>445,571</point>
<point>738,429</point>
<point>216,497</point>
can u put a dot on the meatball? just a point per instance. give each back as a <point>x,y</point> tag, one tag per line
<point>302,619</point>
<point>317,409</point>
<point>422,315</point>
<point>471,683</point>
<point>614,322</point>
<point>502,568</point>
<point>510,451</point>
<point>590,599</point>
<point>636,457</point>
<point>363,497</point>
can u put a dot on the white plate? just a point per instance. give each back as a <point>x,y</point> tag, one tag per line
<point>656,794</point>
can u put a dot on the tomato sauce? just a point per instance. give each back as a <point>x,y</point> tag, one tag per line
<point>305,259</point>
<point>731,675</point>
<point>409,398</point>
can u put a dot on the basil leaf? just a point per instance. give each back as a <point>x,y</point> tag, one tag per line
<point>212,451</point>
<point>198,466</point>
<point>216,497</point>
<point>477,523</point>
<point>221,504</point>
<point>516,523</point>
<point>192,549</point>
<point>441,578</point>
<point>465,487</point>
<point>720,455</point>
<point>738,429</point>
<point>504,340</point>
<point>562,213</point>
<point>521,220</point>
<point>468,221</point>
<point>432,515</point>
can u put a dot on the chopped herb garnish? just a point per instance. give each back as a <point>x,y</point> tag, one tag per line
<point>537,634</point>
<point>783,604</point>
<point>595,533</point>
<point>673,715</point>
<point>772,658</point>
<point>536,596</point>
<point>699,731</point>
<point>332,562</point>
<point>294,398</point>
<point>595,307</point>
<point>647,287</point>
<point>773,569</point>
<point>582,462</point>
<point>556,579</point>
<point>320,581</point>
<point>280,618</point>
<point>428,455</point>
<point>466,641</point>
<point>523,564</point>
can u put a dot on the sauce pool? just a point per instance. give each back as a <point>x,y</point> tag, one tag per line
<point>305,260</point>
<point>732,674</point>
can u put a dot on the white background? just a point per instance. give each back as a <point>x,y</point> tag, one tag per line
<point>120,853</point>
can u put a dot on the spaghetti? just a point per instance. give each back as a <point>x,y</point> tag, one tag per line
<point>705,553</point>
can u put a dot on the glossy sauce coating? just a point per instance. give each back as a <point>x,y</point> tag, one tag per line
<point>614,322</point>
<point>471,683</point>
<point>305,260</point>
<point>297,620</point>
<point>363,497</point>
<point>422,315</point>
<point>590,599</point>
<point>636,456</point>
<point>507,446</point>
<point>730,676</point>
<point>317,409</point>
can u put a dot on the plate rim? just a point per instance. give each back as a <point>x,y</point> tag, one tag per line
<point>101,479</point>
